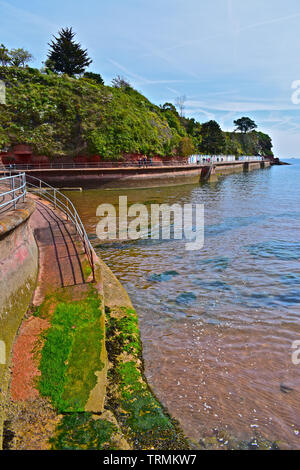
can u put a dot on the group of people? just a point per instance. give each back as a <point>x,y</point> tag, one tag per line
<point>145,161</point>
<point>208,159</point>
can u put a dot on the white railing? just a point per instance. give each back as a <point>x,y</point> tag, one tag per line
<point>12,190</point>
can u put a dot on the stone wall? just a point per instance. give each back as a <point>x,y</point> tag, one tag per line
<point>100,178</point>
<point>18,273</point>
<point>128,177</point>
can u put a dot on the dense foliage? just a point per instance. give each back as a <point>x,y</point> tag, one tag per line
<point>213,141</point>
<point>63,116</point>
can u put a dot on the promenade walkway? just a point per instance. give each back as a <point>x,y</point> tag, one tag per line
<point>62,257</point>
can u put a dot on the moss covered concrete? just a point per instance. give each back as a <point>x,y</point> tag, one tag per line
<point>132,417</point>
<point>71,355</point>
<point>80,431</point>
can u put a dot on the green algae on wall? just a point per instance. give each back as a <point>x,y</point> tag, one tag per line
<point>137,414</point>
<point>143,420</point>
<point>132,418</point>
<point>80,431</point>
<point>70,357</point>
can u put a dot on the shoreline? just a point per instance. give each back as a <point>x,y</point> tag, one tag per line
<point>135,177</point>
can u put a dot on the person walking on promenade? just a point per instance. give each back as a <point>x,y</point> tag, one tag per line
<point>140,162</point>
<point>145,161</point>
<point>150,161</point>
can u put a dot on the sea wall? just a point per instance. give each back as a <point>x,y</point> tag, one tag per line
<point>223,169</point>
<point>18,273</point>
<point>92,178</point>
<point>135,177</point>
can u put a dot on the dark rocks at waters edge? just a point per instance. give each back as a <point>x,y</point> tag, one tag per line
<point>277,161</point>
<point>222,440</point>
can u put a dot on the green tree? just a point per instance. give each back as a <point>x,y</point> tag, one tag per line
<point>193,129</point>
<point>244,125</point>
<point>265,144</point>
<point>232,144</point>
<point>4,55</point>
<point>186,147</point>
<point>170,113</point>
<point>20,57</point>
<point>96,77</point>
<point>213,141</point>
<point>169,107</point>
<point>67,56</point>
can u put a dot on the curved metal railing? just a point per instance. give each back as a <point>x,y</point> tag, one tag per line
<point>203,160</point>
<point>91,165</point>
<point>12,190</point>
<point>63,203</point>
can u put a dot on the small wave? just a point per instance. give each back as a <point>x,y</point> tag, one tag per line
<point>282,250</point>
<point>166,276</point>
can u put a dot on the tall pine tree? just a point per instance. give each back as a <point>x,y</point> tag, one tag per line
<point>67,56</point>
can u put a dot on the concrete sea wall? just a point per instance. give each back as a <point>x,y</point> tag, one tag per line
<point>135,177</point>
<point>95,178</point>
<point>18,273</point>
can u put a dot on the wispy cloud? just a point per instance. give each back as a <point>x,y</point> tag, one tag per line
<point>208,115</point>
<point>142,80</point>
<point>32,18</point>
<point>268,22</point>
<point>240,106</point>
<point>172,90</point>
<point>233,29</point>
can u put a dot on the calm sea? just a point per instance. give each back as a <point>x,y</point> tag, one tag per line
<point>218,324</point>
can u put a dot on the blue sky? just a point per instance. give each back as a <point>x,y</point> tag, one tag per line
<point>229,58</point>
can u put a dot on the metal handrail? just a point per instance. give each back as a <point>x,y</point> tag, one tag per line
<point>63,203</point>
<point>16,191</point>
<point>108,165</point>
<point>91,165</point>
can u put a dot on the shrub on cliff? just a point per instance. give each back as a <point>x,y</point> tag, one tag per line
<point>60,115</point>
